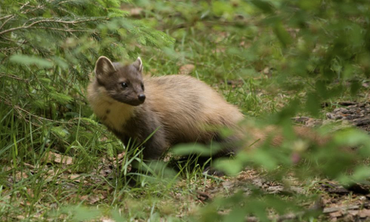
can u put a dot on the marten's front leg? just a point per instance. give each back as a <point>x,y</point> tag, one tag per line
<point>156,145</point>
<point>149,132</point>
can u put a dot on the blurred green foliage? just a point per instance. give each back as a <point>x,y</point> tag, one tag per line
<point>48,51</point>
<point>314,51</point>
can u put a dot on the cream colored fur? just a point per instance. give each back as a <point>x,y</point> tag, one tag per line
<point>100,102</point>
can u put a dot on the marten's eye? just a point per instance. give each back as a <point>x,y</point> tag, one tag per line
<point>124,85</point>
<point>142,86</point>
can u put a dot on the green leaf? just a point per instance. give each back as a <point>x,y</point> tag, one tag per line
<point>45,81</point>
<point>60,62</point>
<point>265,6</point>
<point>313,104</point>
<point>221,8</point>
<point>187,149</point>
<point>60,131</point>
<point>282,34</point>
<point>81,213</point>
<point>352,137</point>
<point>114,13</point>
<point>229,166</point>
<point>264,159</point>
<point>40,103</point>
<point>60,97</point>
<point>31,60</point>
<point>360,174</point>
<point>237,214</point>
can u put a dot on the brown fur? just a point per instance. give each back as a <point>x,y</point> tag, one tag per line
<point>177,108</point>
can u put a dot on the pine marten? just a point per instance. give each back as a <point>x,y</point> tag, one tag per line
<point>176,108</point>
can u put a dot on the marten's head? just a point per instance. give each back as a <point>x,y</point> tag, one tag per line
<point>122,83</point>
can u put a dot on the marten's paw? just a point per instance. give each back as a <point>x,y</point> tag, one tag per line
<point>213,172</point>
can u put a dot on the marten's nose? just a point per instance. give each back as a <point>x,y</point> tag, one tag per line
<point>141,97</point>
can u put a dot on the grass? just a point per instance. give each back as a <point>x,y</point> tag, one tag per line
<point>73,169</point>
<point>91,184</point>
<point>88,183</point>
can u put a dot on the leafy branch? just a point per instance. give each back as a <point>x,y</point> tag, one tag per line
<point>59,21</point>
<point>8,18</point>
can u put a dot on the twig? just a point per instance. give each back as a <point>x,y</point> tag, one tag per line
<point>19,110</point>
<point>30,9</point>
<point>24,5</point>
<point>1,27</point>
<point>345,208</point>
<point>5,17</point>
<point>279,218</point>
<point>13,77</point>
<point>49,20</point>
<point>61,29</point>
<point>39,118</point>
<point>62,2</point>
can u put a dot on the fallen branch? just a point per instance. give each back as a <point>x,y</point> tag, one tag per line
<point>345,208</point>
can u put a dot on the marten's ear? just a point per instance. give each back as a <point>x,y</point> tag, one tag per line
<point>104,66</point>
<point>138,64</point>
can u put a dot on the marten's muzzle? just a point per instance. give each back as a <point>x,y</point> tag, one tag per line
<point>141,97</point>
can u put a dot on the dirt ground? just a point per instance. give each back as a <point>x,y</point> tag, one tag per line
<point>338,203</point>
<point>346,203</point>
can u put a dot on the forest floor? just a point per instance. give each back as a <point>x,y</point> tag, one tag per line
<point>334,201</point>
<point>338,202</point>
<point>84,179</point>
